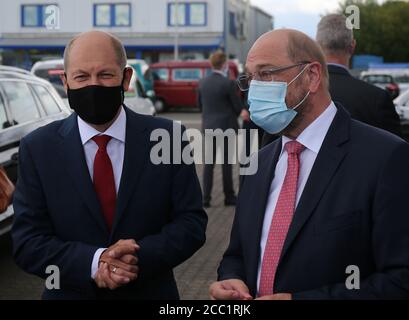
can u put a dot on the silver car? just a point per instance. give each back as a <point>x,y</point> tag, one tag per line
<point>26,103</point>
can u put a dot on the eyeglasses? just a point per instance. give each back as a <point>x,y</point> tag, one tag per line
<point>266,75</point>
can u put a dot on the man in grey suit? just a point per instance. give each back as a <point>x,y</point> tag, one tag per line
<point>220,105</point>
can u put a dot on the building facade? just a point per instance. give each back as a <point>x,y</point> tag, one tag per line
<point>31,30</point>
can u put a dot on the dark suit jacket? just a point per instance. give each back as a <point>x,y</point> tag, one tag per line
<point>354,211</point>
<point>365,102</point>
<point>219,102</point>
<point>58,219</point>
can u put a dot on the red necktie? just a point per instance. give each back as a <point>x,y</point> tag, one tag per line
<point>104,181</point>
<point>283,215</point>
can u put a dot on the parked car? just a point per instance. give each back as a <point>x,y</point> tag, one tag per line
<point>137,99</point>
<point>26,103</point>
<point>176,82</point>
<point>51,70</point>
<point>402,107</point>
<point>144,74</point>
<point>402,79</point>
<point>382,80</point>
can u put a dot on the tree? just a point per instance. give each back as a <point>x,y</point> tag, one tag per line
<point>384,28</point>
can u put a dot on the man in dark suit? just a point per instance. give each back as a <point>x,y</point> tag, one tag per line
<point>90,201</point>
<point>221,106</point>
<point>330,195</point>
<point>365,102</point>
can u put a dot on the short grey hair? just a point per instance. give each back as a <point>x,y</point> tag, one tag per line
<point>117,45</point>
<point>333,35</point>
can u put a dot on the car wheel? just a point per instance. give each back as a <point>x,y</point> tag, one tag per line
<point>160,106</point>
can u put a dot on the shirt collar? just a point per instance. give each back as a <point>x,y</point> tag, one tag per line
<point>313,136</point>
<point>116,130</point>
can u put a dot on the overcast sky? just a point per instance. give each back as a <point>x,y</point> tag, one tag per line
<point>302,15</point>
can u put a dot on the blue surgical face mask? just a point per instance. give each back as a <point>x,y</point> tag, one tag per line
<point>268,108</point>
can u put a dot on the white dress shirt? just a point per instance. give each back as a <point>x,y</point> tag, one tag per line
<point>115,150</point>
<point>311,138</point>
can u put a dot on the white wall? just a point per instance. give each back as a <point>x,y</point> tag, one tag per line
<point>148,16</point>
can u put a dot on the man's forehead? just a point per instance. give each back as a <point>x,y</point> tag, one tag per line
<point>257,62</point>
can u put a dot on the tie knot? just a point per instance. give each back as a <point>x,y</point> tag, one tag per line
<point>102,141</point>
<point>294,147</point>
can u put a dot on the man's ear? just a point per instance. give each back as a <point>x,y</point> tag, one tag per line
<point>315,75</point>
<point>127,78</point>
<point>63,78</point>
<point>352,47</point>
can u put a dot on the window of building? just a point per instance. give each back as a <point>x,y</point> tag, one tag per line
<point>34,15</point>
<point>187,14</point>
<point>232,24</point>
<point>112,15</point>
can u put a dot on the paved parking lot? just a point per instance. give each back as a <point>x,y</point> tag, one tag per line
<point>193,277</point>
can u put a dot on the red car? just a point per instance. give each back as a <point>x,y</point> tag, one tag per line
<point>176,82</point>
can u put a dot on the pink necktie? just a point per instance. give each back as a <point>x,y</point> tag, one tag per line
<point>283,215</point>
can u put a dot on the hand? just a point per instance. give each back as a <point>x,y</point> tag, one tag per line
<point>277,296</point>
<point>245,115</point>
<point>118,265</point>
<point>232,289</point>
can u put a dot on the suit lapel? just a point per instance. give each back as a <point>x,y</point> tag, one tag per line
<point>266,175</point>
<point>136,154</point>
<point>329,158</point>
<point>73,159</point>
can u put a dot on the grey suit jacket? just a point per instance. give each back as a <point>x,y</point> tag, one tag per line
<point>219,102</point>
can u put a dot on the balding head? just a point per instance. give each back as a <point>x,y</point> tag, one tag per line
<point>95,58</point>
<point>96,41</point>
<point>287,46</point>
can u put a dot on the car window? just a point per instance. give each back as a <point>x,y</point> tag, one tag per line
<point>3,118</point>
<point>161,74</point>
<point>47,101</point>
<point>21,102</point>
<point>379,79</point>
<point>402,79</point>
<point>190,74</point>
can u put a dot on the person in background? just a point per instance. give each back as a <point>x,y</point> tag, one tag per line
<point>220,103</point>
<point>365,102</point>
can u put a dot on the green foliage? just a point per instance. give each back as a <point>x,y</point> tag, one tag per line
<point>384,28</point>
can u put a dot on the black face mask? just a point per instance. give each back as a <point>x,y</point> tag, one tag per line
<point>96,104</point>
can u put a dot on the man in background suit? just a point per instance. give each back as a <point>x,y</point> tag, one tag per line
<point>365,102</point>
<point>90,201</point>
<point>220,105</point>
<point>330,194</point>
